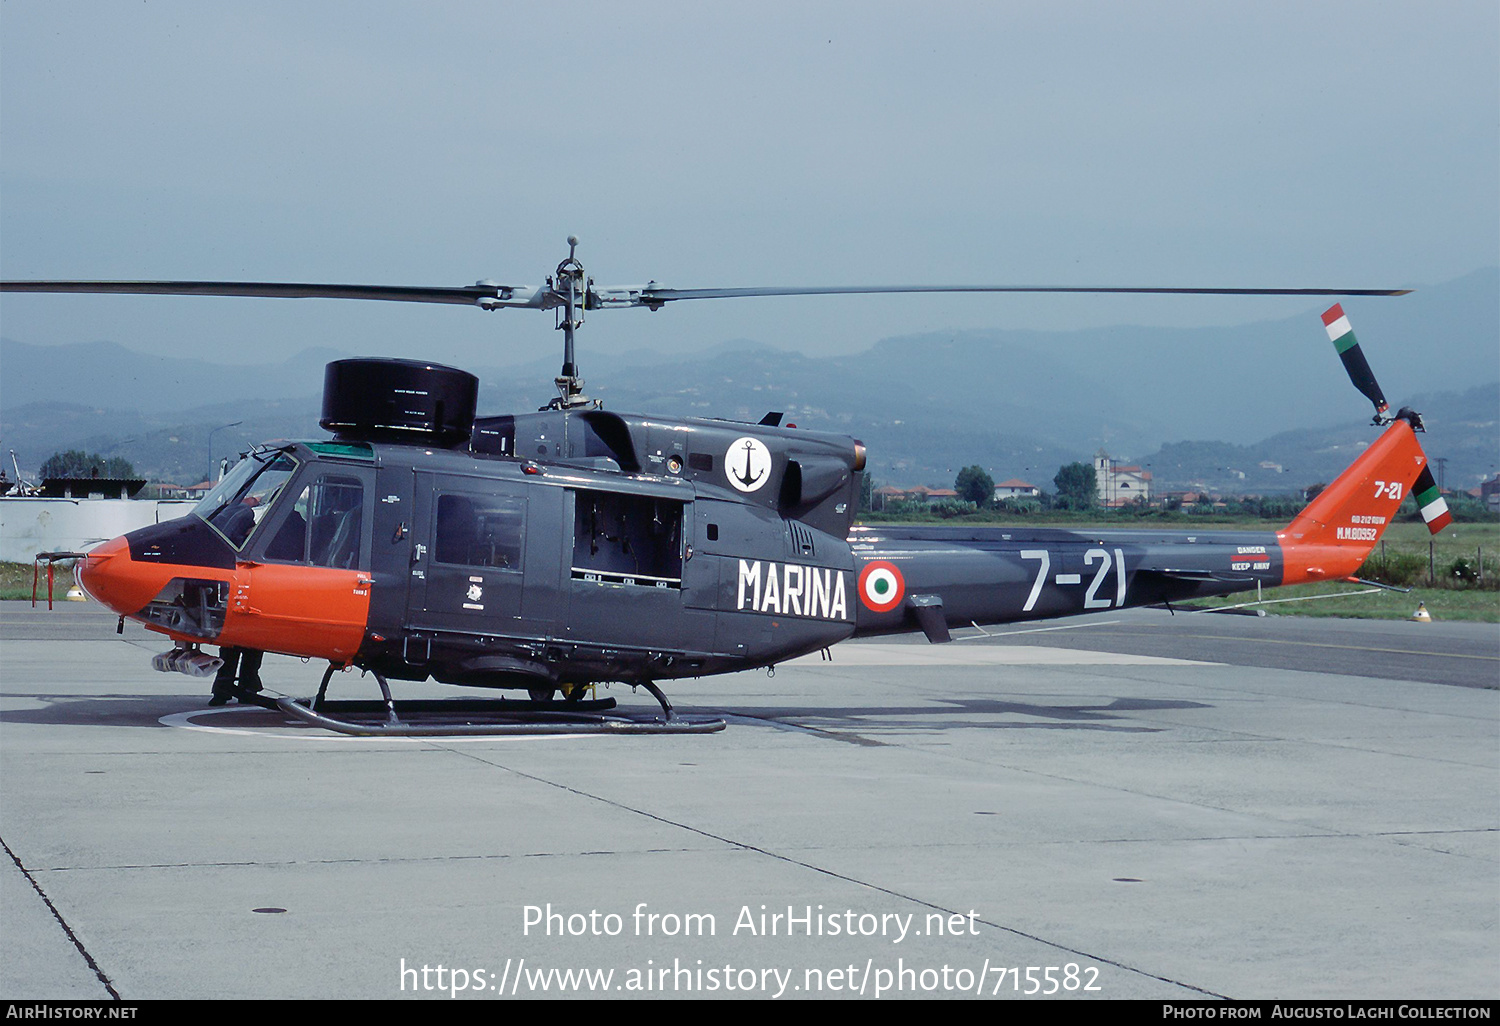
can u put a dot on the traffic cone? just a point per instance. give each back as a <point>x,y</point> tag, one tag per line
<point>1422,615</point>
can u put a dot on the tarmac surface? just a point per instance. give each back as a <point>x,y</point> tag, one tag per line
<point>1153,806</point>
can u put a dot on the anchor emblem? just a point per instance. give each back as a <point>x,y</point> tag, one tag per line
<point>747,464</point>
<point>747,478</point>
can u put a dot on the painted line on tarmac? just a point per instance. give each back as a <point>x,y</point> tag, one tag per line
<point>1324,644</point>
<point>988,655</point>
<point>1033,630</point>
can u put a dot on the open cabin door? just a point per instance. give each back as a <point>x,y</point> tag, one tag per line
<point>626,570</point>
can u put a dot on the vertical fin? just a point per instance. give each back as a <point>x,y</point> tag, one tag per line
<point>1339,528</point>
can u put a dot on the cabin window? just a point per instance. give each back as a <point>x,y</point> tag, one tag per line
<point>627,539</point>
<point>475,530</point>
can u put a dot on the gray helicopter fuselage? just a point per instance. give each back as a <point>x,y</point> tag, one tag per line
<point>571,547</point>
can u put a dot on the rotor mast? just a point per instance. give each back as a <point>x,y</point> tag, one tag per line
<point>571,287</point>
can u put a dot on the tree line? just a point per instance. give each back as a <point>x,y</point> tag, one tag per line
<point>75,463</point>
<point>1076,487</point>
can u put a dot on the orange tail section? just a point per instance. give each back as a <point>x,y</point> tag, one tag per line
<point>1337,531</point>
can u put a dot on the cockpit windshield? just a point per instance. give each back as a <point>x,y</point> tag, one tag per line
<point>241,499</point>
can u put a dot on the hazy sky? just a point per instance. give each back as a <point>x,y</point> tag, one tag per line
<point>1280,144</point>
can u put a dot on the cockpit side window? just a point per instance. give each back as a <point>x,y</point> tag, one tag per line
<point>324,526</point>
<point>290,543</point>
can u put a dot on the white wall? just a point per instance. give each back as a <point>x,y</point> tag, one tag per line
<point>30,525</point>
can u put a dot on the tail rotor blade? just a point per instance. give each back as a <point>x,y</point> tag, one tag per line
<point>1430,502</point>
<point>1342,337</point>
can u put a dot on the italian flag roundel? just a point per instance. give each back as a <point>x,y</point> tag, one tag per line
<point>881,586</point>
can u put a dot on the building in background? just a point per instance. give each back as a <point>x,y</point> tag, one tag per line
<point>1016,488</point>
<point>1119,485</point>
<point>1489,494</point>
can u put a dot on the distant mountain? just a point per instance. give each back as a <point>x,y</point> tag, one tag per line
<point>168,446</point>
<point>1019,403</point>
<point>1462,427</point>
<point>107,375</point>
<point>1238,384</point>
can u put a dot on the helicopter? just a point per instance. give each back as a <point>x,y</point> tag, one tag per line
<point>554,550</point>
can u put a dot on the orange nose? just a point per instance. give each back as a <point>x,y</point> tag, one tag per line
<point>112,578</point>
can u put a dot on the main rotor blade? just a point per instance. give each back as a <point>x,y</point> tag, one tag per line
<point>490,295</point>
<point>651,295</point>
<point>484,294</point>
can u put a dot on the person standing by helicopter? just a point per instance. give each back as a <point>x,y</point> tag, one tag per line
<point>240,672</point>
<point>241,663</point>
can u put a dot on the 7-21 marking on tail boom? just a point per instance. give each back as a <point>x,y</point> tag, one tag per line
<point>1091,598</point>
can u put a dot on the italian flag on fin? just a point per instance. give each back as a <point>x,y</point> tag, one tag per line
<point>1430,501</point>
<point>1339,331</point>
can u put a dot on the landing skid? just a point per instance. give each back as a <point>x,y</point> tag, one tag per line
<point>485,716</point>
